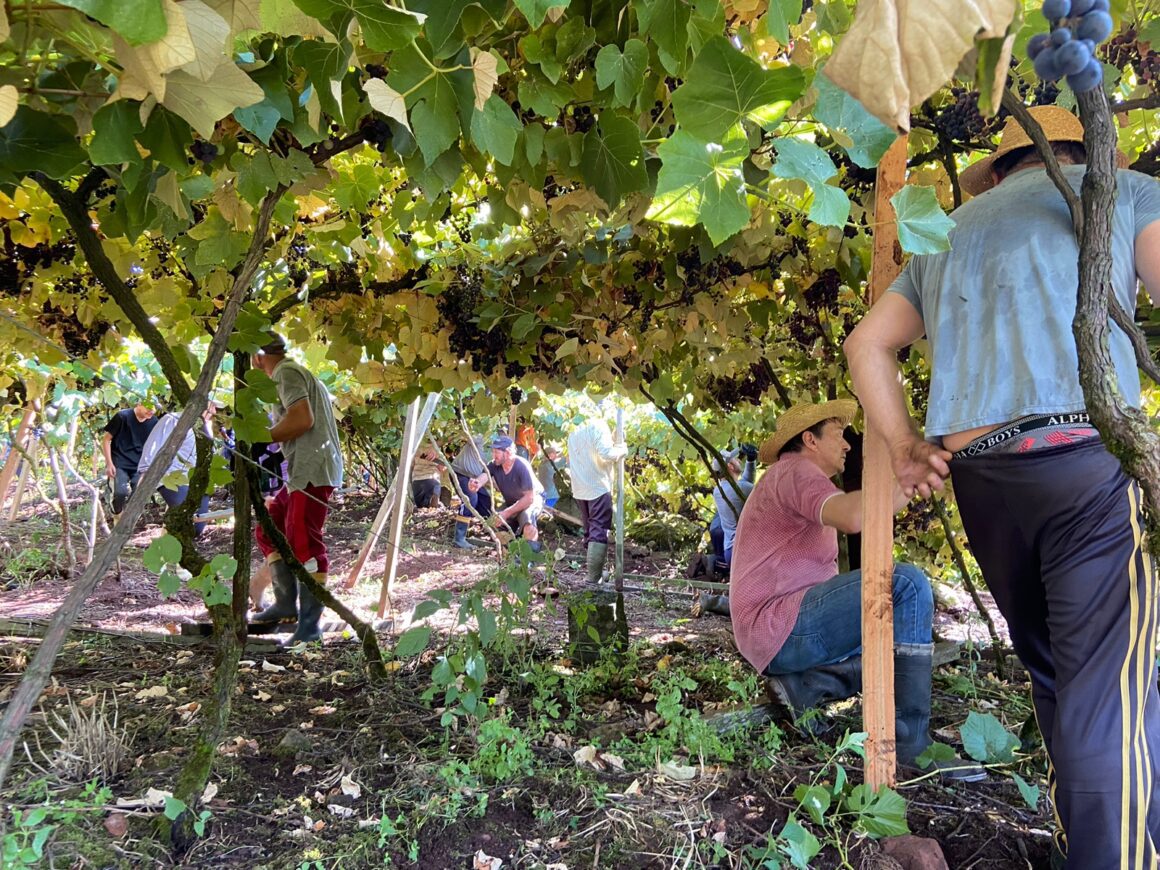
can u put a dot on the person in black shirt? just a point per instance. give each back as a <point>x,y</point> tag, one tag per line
<point>125,435</point>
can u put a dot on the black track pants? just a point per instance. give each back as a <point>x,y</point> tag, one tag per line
<point>1058,534</point>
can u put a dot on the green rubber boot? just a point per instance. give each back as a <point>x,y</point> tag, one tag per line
<point>285,606</point>
<point>597,553</point>
<point>309,614</point>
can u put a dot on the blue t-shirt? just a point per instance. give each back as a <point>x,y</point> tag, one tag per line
<point>998,306</point>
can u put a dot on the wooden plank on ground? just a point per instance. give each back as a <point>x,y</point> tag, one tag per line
<point>877,511</point>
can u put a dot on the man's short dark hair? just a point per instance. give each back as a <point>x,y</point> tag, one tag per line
<point>1066,151</point>
<point>796,445</point>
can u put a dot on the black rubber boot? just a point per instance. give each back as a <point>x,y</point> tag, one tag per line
<point>309,614</point>
<point>913,663</point>
<point>285,606</point>
<point>708,603</point>
<point>797,693</point>
<point>461,537</point>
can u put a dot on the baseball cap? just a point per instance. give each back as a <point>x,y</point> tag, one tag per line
<point>502,442</point>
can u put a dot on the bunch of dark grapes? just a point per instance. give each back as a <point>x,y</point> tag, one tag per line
<point>823,293</point>
<point>582,119</point>
<point>483,350</point>
<point>1125,49</point>
<point>748,388</point>
<point>376,71</point>
<point>961,121</point>
<point>376,132</point>
<point>204,152</point>
<point>803,328</point>
<point>515,395</point>
<point>1077,27</point>
<point>1046,93</point>
<point>918,518</point>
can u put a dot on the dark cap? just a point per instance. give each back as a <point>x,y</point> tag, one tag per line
<point>502,442</point>
<point>276,345</point>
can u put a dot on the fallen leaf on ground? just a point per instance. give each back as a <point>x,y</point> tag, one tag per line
<point>117,824</point>
<point>676,772</point>
<point>272,668</point>
<point>211,790</point>
<point>483,861</point>
<point>262,696</point>
<point>322,710</point>
<point>340,811</point>
<point>151,692</point>
<point>351,788</point>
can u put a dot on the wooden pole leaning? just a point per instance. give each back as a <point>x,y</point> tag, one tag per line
<point>877,513</point>
<point>380,521</point>
<point>618,576</point>
<point>10,464</point>
<point>406,460</point>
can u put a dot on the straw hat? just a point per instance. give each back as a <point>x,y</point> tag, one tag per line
<point>799,418</point>
<point>1059,125</point>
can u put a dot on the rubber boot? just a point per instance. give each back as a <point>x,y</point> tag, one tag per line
<point>802,691</point>
<point>309,614</point>
<point>285,595</point>
<point>597,553</point>
<point>913,663</point>
<point>461,537</point>
<point>709,603</point>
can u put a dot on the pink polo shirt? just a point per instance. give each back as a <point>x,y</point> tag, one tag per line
<point>781,550</point>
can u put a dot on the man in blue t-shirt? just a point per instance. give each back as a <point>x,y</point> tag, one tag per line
<point>125,436</point>
<point>1052,518</point>
<point>521,490</point>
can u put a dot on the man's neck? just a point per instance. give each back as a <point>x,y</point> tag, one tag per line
<point>508,463</point>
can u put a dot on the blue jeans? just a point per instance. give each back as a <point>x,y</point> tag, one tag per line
<point>829,624</point>
<point>124,482</point>
<point>174,497</point>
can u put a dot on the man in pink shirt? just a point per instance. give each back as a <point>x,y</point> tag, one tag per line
<point>795,618</point>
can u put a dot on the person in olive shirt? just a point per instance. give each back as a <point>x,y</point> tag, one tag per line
<point>308,433</point>
<point>125,436</point>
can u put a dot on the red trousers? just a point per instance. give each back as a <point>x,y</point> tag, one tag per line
<point>300,515</point>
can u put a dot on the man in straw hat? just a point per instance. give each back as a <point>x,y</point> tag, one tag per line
<point>795,618</point>
<point>308,433</point>
<point>1053,520</point>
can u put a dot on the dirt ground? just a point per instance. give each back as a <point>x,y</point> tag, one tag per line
<point>324,769</point>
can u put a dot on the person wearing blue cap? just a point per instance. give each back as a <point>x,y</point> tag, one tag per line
<point>521,490</point>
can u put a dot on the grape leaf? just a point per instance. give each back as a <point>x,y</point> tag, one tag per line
<point>536,10</point>
<point>412,641</point>
<point>797,158</point>
<point>114,127</point>
<point>624,71</point>
<point>923,227</point>
<point>138,21</point>
<point>37,142</point>
<point>782,14</point>
<point>867,138</point>
<point>702,182</point>
<point>612,161</point>
<point>725,87</point>
<point>495,130</point>
<point>899,52</point>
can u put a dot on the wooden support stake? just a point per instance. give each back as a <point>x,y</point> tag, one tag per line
<point>402,479</point>
<point>877,513</point>
<point>13,460</point>
<point>22,482</point>
<point>384,513</point>
<point>619,485</point>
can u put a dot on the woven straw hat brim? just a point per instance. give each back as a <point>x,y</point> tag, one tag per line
<point>799,418</point>
<point>1059,125</point>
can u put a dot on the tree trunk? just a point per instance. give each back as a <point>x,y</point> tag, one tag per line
<point>62,501</point>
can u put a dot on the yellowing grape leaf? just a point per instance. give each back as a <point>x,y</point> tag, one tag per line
<point>5,29</point>
<point>383,98</point>
<point>9,100</point>
<point>203,104</point>
<point>242,15</point>
<point>899,52</point>
<point>483,68</point>
<point>145,66</point>
<point>209,32</point>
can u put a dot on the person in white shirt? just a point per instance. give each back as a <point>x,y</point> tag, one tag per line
<point>182,463</point>
<point>591,459</point>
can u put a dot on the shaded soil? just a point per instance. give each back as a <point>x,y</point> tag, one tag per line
<point>376,780</point>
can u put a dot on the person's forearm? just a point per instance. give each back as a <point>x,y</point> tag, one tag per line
<point>749,475</point>
<point>107,449</point>
<point>521,504</point>
<point>286,430</point>
<point>878,384</point>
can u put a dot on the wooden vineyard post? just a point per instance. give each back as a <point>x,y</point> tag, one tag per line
<point>619,486</point>
<point>877,512</point>
<point>402,483</point>
<point>28,467</point>
<point>14,457</point>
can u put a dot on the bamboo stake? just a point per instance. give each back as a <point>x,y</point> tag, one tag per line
<point>877,512</point>
<point>406,457</point>
<point>13,460</point>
